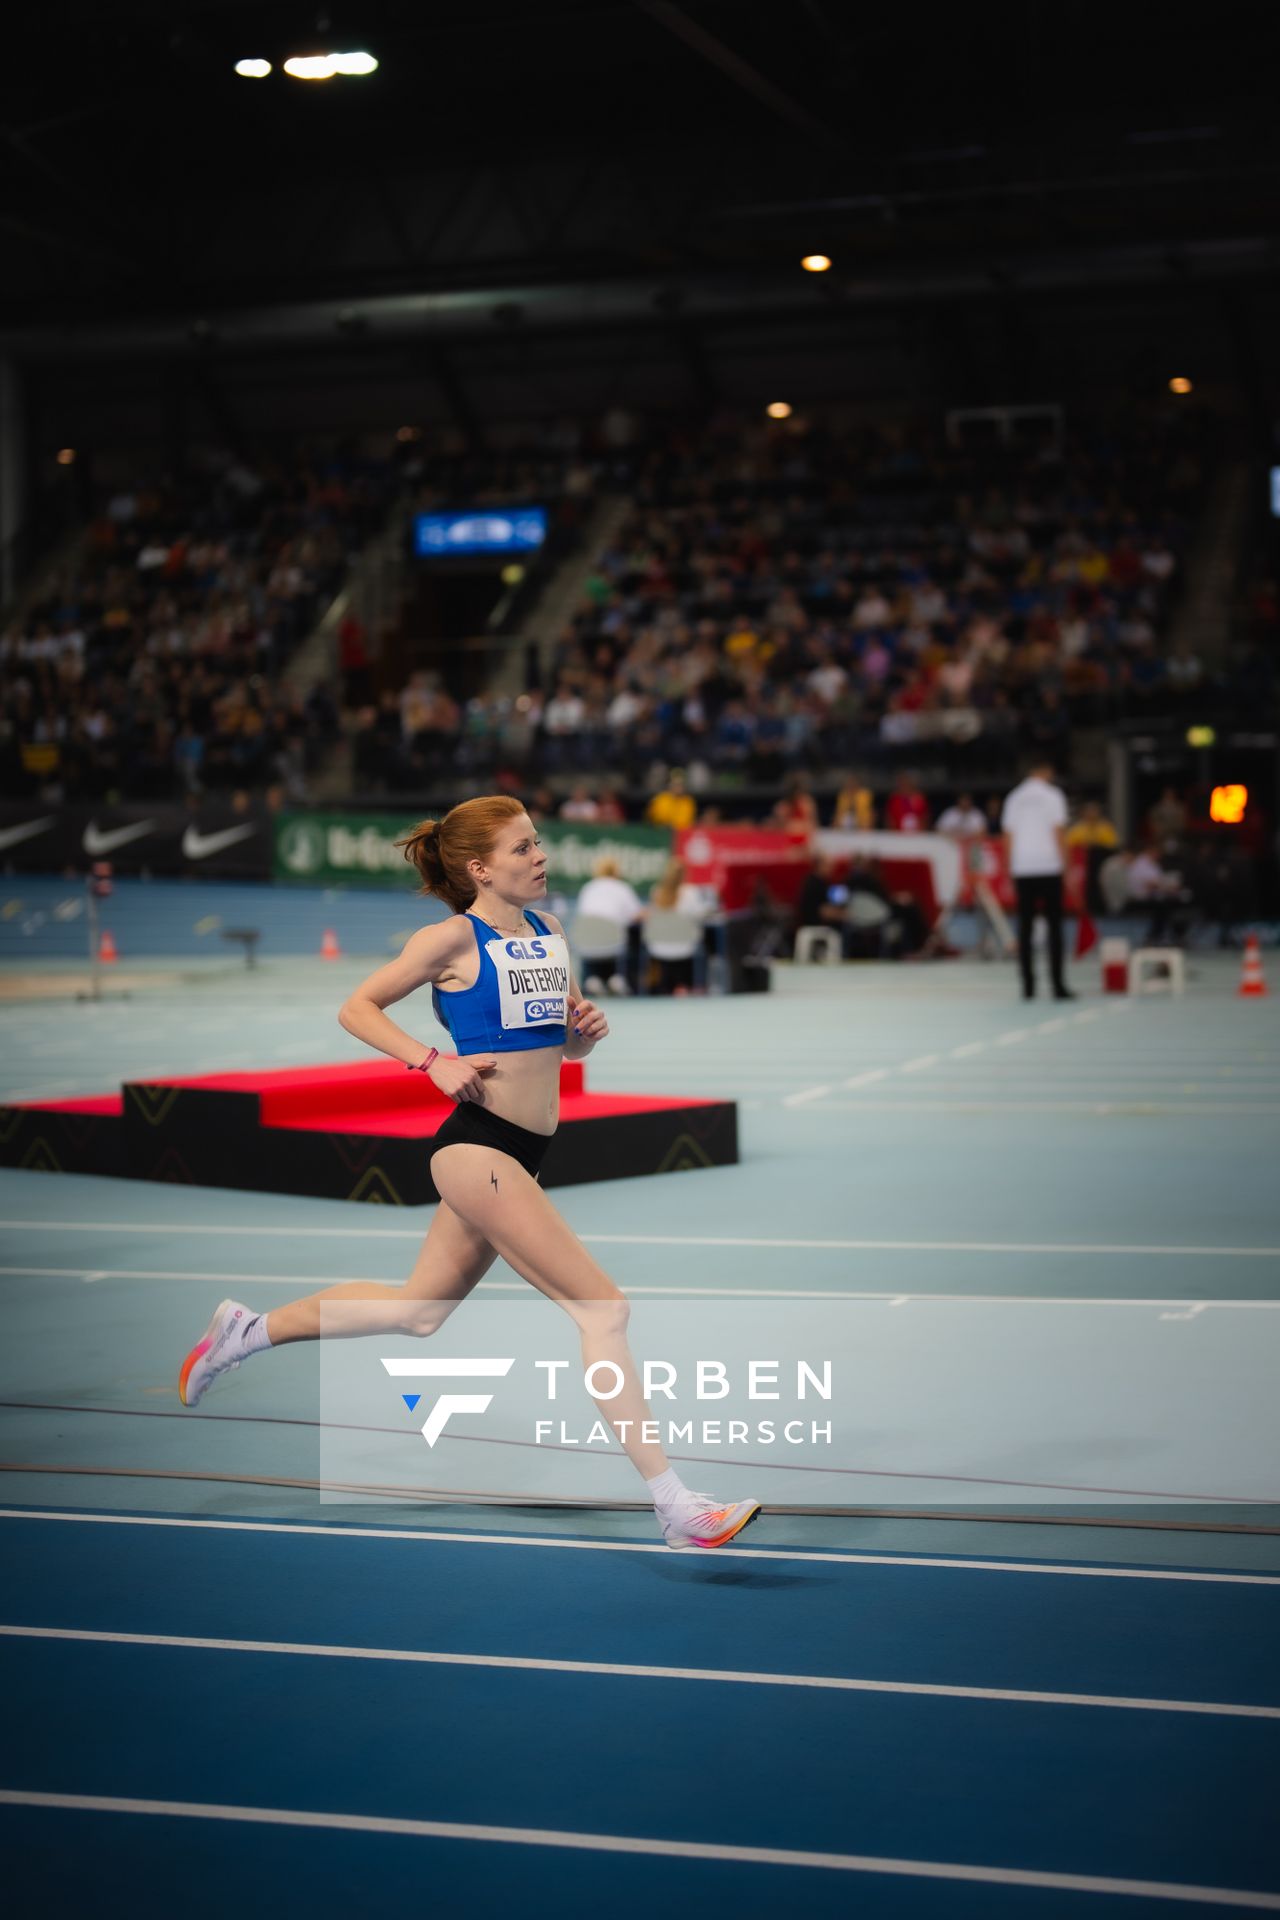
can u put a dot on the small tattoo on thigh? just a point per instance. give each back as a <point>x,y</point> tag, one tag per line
<point>493,1181</point>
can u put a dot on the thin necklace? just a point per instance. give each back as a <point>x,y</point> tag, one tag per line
<point>497,929</point>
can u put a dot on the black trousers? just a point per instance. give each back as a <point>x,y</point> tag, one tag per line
<point>1040,893</point>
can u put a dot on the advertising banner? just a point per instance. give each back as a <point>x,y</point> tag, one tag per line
<point>358,850</point>
<point>986,860</point>
<point>734,859</point>
<point>216,839</point>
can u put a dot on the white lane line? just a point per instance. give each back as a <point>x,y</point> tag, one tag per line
<point>809,1093</point>
<point>555,1542</point>
<point>645,1289</point>
<point>626,1843</point>
<point>1097,1089</point>
<point>915,1066</point>
<point>1051,1026</point>
<point>1082,1019</point>
<point>1149,1085</point>
<point>327,1232</point>
<point>831,1683</point>
<point>1120,1106</point>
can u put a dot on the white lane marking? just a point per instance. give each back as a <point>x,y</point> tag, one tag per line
<point>654,1239</point>
<point>832,1683</point>
<point>1148,1081</point>
<point>809,1093</point>
<point>909,1066</point>
<point>1120,1106</point>
<point>1082,1019</point>
<point>637,1546</point>
<point>626,1843</point>
<point>731,1292</point>
<point>1051,1026</point>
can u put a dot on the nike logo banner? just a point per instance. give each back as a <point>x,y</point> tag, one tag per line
<point>199,846</point>
<point>158,838</point>
<point>13,836</point>
<point>97,843</point>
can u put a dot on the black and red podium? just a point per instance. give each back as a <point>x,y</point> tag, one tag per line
<point>348,1132</point>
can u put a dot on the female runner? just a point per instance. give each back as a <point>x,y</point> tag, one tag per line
<point>485,860</point>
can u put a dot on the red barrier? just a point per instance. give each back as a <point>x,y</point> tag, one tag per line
<point>985,859</point>
<point>735,859</point>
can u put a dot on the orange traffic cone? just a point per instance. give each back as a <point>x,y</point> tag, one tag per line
<point>1252,984</point>
<point>108,956</point>
<point>329,948</point>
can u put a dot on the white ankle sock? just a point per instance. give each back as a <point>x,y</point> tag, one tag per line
<point>666,1488</point>
<point>255,1337</point>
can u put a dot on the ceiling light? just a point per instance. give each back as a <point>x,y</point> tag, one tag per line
<point>67,457</point>
<point>311,66</point>
<point>779,410</point>
<point>1180,385</point>
<point>815,263</point>
<point>323,66</point>
<point>253,69</point>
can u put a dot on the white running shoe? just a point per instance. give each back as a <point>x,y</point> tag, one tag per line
<point>214,1353</point>
<point>699,1522</point>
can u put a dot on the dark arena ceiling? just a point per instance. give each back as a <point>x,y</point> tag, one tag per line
<point>602,163</point>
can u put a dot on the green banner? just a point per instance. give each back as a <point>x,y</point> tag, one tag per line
<point>357,850</point>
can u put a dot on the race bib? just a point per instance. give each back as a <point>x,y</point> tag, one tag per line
<point>533,980</point>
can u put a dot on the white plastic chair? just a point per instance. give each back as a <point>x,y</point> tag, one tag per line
<point>1151,969</point>
<point>817,943</point>
<point>597,944</point>
<point>679,935</point>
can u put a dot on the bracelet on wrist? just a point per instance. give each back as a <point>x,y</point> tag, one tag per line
<point>424,1066</point>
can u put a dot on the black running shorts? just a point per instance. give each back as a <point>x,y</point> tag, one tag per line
<point>474,1125</point>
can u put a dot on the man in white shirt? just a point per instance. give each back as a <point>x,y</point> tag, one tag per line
<point>1034,821</point>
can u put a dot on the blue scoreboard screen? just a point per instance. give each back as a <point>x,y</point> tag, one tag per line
<point>489,530</point>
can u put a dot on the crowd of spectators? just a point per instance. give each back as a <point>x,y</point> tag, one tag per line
<point>780,601</point>
<point>149,664</point>
<point>801,601</point>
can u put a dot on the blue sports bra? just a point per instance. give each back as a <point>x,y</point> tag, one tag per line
<point>521,994</point>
